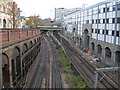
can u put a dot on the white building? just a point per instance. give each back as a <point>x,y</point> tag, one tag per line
<point>60,13</point>
<point>97,28</point>
<point>6,14</point>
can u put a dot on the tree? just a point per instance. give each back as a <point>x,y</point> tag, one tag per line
<point>13,11</point>
<point>34,21</point>
<point>29,22</point>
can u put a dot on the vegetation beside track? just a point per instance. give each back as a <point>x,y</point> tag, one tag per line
<point>74,81</point>
<point>21,83</point>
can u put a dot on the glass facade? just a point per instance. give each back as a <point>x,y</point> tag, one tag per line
<point>104,18</point>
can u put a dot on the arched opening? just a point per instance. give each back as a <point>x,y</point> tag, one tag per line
<point>86,39</point>
<point>4,23</point>
<point>34,41</point>
<point>5,71</point>
<point>23,71</point>
<point>25,48</point>
<point>80,41</point>
<point>93,48</point>
<point>107,54</point>
<point>13,72</point>
<point>31,44</point>
<point>25,61</point>
<point>117,57</point>
<point>37,39</point>
<point>77,40</point>
<point>31,53</point>
<point>74,30</point>
<point>99,50</point>
<point>18,62</point>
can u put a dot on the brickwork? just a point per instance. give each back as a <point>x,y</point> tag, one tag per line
<point>10,36</point>
<point>17,47</point>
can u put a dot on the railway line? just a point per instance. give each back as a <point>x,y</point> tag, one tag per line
<point>56,72</point>
<point>47,72</point>
<point>41,71</point>
<point>83,66</point>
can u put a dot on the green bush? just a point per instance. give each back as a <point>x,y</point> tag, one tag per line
<point>73,80</point>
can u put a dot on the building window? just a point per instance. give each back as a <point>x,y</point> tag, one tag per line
<point>98,31</point>
<point>107,9</point>
<point>103,20</point>
<point>103,10</point>
<point>107,21</point>
<point>87,21</point>
<point>95,30</point>
<point>114,8</point>
<point>118,20</point>
<point>118,7</point>
<point>98,10</point>
<point>106,32</point>
<point>103,32</point>
<point>117,33</point>
<point>92,21</point>
<point>113,20</point>
<point>98,20</point>
<point>112,33</point>
<point>92,30</point>
<point>3,9</point>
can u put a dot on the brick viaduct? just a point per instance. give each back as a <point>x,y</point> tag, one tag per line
<point>18,49</point>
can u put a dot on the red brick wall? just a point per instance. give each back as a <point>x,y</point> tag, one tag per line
<point>10,36</point>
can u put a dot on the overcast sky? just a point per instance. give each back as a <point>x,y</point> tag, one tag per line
<point>45,8</point>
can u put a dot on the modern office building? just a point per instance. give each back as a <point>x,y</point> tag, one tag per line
<point>60,13</point>
<point>97,28</point>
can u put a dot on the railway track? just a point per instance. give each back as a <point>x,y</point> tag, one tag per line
<point>56,72</point>
<point>40,75</point>
<point>81,65</point>
<point>47,72</point>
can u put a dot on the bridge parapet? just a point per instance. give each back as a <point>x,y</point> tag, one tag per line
<point>10,36</point>
<point>51,28</point>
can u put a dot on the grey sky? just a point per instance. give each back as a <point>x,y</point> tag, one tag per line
<point>45,8</point>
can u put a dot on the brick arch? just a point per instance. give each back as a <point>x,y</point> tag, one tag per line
<point>17,59</point>
<point>80,41</point>
<point>117,57</point>
<point>37,39</point>
<point>5,70</point>
<point>5,59</point>
<point>4,23</point>
<point>16,51</point>
<point>86,38</point>
<point>24,48</point>
<point>34,41</point>
<point>108,53</point>
<point>86,31</point>
<point>92,48</point>
<point>30,44</point>
<point>13,71</point>
<point>99,50</point>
